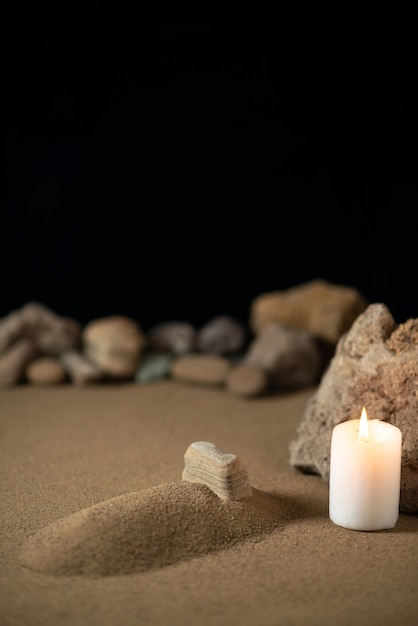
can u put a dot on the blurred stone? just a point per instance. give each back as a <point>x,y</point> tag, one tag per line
<point>114,344</point>
<point>52,333</point>
<point>175,337</point>
<point>222,334</point>
<point>247,381</point>
<point>80,370</point>
<point>49,332</point>
<point>323,309</point>
<point>45,370</point>
<point>154,366</point>
<point>202,369</point>
<point>14,361</point>
<point>375,366</point>
<point>290,358</point>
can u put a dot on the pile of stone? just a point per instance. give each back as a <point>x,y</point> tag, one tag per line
<point>288,344</point>
<point>375,366</point>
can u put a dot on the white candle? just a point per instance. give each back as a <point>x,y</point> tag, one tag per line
<point>365,474</point>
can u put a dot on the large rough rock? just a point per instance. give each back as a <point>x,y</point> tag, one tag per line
<point>323,309</point>
<point>375,365</point>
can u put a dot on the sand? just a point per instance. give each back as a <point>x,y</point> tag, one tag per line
<point>97,527</point>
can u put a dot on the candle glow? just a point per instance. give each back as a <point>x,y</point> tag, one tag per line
<point>363,430</point>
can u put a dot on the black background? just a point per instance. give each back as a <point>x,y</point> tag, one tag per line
<point>171,162</point>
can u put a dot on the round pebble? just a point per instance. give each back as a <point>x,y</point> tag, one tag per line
<point>45,371</point>
<point>154,366</point>
<point>222,334</point>
<point>203,369</point>
<point>246,380</point>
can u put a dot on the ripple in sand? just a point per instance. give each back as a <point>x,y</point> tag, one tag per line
<point>148,529</point>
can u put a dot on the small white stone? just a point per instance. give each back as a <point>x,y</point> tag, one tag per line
<point>224,473</point>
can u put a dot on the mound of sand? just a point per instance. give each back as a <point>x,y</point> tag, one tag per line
<point>148,529</point>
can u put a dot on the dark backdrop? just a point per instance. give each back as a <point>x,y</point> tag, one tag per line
<point>174,163</point>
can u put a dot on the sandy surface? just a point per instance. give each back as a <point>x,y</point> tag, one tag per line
<point>97,527</point>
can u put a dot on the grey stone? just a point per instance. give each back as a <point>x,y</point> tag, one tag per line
<point>175,337</point>
<point>376,366</point>
<point>14,361</point>
<point>290,358</point>
<point>154,366</point>
<point>49,332</point>
<point>222,334</point>
<point>79,369</point>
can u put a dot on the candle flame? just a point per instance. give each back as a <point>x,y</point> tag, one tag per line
<point>363,431</point>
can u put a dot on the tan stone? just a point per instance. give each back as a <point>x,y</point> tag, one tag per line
<point>203,369</point>
<point>221,471</point>
<point>114,344</point>
<point>246,380</point>
<point>45,371</point>
<point>324,309</point>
